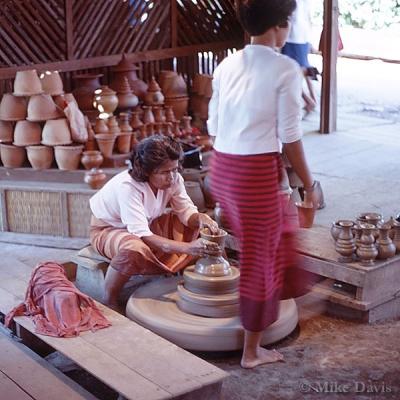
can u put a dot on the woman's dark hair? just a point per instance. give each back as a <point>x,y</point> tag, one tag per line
<point>151,153</point>
<point>257,16</point>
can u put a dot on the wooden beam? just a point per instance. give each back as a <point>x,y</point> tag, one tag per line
<point>329,54</point>
<point>105,61</point>
<point>174,23</point>
<point>69,29</point>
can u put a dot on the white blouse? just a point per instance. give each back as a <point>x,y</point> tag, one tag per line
<point>125,203</point>
<point>256,102</point>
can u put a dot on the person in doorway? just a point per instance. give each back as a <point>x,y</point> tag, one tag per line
<point>297,47</point>
<point>254,109</point>
<point>130,224</point>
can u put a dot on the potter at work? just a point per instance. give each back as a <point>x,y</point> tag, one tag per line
<point>255,109</point>
<point>130,224</point>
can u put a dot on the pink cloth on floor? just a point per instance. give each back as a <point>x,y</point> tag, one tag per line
<point>56,306</point>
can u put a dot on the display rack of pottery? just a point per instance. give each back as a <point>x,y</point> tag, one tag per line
<point>200,97</point>
<point>366,239</point>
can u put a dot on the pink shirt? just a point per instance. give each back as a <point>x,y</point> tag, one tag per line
<point>125,203</point>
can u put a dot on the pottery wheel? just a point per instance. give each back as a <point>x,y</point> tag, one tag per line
<point>153,306</point>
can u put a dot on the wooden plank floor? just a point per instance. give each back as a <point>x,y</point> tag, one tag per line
<point>127,357</point>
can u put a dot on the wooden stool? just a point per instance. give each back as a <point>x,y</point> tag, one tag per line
<point>90,272</point>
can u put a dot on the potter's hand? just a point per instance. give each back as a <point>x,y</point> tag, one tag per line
<point>311,197</point>
<point>202,247</point>
<point>206,222</point>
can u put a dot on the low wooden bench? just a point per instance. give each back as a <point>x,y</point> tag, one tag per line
<point>128,358</point>
<point>25,376</point>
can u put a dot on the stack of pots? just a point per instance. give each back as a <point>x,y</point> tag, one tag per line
<point>175,91</point>
<point>32,124</point>
<point>201,95</point>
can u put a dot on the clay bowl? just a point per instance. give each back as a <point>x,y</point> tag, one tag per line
<point>68,157</point>
<point>12,156</point>
<point>42,108</point>
<point>40,157</point>
<point>56,132</point>
<point>306,214</point>
<point>12,108</point>
<point>6,131</point>
<point>52,83</point>
<point>27,83</point>
<point>27,133</point>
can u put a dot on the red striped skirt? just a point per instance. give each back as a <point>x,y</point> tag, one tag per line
<point>131,256</point>
<point>247,189</point>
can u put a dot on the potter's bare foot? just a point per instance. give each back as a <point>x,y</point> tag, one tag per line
<point>264,356</point>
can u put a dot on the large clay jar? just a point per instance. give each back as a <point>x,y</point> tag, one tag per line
<point>68,157</point>
<point>42,108</point>
<point>52,83</point>
<point>56,132</point>
<point>92,159</point>
<point>12,108</point>
<point>40,157</point>
<point>95,178</point>
<point>27,133</point>
<point>105,100</point>
<point>175,86</point>
<point>12,156</point>
<point>386,248</point>
<point>6,132</point>
<point>85,85</point>
<point>27,83</point>
<point>106,141</point>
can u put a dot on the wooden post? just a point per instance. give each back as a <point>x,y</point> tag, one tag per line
<point>174,24</point>
<point>329,54</point>
<point>69,29</point>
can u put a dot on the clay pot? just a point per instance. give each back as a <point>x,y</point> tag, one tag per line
<point>345,244</point>
<point>105,100</point>
<point>396,235</point>
<point>106,141</point>
<point>386,248</point>
<point>136,123</point>
<point>40,157</point>
<point>113,126</point>
<point>6,132</point>
<point>68,157</point>
<point>194,191</point>
<point>101,126</point>
<point>158,114</point>
<point>95,178</point>
<point>186,125</point>
<point>210,202</point>
<point>174,86</point>
<point>42,108</point>
<point>85,85</point>
<point>27,83</point>
<point>164,75</point>
<point>154,95</point>
<point>12,108</point>
<point>201,83</point>
<point>56,132</point>
<point>367,251</point>
<point>124,142</point>
<point>92,159</point>
<point>27,133</point>
<point>336,228</point>
<point>12,156</point>
<point>306,214</point>
<point>169,114</point>
<point>52,83</point>
<point>179,105</point>
<point>124,122</point>
<point>148,116</point>
<point>126,98</point>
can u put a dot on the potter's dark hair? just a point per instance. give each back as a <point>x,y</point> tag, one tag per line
<point>151,153</point>
<point>257,16</point>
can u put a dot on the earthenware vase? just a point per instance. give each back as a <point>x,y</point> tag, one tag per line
<point>124,124</point>
<point>169,114</point>
<point>92,159</point>
<point>101,126</point>
<point>40,157</point>
<point>158,114</point>
<point>113,125</point>
<point>357,231</point>
<point>386,248</point>
<point>345,244</point>
<point>367,251</point>
<point>127,100</point>
<point>136,122</point>
<point>176,130</point>
<point>85,85</point>
<point>142,132</point>
<point>186,125</point>
<point>95,178</point>
<point>148,116</point>
<point>105,100</point>
<point>154,95</point>
<point>42,108</point>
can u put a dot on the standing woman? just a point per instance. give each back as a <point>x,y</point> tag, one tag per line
<point>254,110</point>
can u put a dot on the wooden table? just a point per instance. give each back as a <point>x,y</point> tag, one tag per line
<point>369,293</point>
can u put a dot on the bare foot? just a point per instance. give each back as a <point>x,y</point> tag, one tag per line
<point>264,356</point>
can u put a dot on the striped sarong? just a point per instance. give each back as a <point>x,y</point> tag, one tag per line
<point>247,188</point>
<point>131,256</point>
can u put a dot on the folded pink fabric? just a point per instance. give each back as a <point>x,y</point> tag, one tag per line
<point>56,306</point>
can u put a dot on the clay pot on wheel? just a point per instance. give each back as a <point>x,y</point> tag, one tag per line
<point>95,178</point>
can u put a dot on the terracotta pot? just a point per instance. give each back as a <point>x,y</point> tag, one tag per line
<point>56,132</point>
<point>95,178</point>
<point>27,83</point>
<point>148,116</point>
<point>85,85</point>
<point>154,98</point>
<point>385,245</point>
<point>105,100</point>
<point>113,126</point>
<point>158,113</point>
<point>124,123</point>
<point>124,142</point>
<point>169,114</point>
<point>345,243</point>
<point>92,159</point>
<point>194,191</point>
<point>106,141</point>
<point>306,214</point>
<point>200,83</point>
<point>175,86</point>
<point>186,125</point>
<point>126,98</point>
<point>101,126</point>
<point>40,157</point>
<point>12,156</point>
<point>210,202</point>
<point>42,108</point>
<point>6,132</point>
<point>12,108</point>
<point>68,157</point>
<point>52,83</point>
<point>27,133</point>
<point>164,75</point>
<point>179,105</point>
<point>136,123</point>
